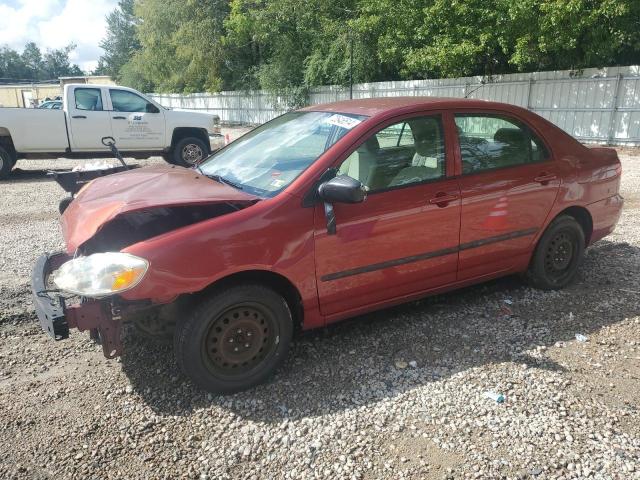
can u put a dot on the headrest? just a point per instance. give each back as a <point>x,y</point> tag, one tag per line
<point>370,146</point>
<point>510,135</point>
<point>426,134</point>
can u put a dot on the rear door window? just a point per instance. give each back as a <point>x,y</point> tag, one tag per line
<point>488,142</point>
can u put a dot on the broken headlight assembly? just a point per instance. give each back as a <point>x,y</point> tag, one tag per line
<point>101,274</point>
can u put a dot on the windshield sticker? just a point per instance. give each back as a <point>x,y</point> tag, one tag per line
<point>277,183</point>
<point>342,121</point>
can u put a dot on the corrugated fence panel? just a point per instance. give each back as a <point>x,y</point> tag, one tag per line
<point>598,105</point>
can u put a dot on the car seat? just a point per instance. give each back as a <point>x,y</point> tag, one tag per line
<point>362,163</point>
<point>428,159</point>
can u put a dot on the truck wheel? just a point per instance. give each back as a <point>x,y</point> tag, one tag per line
<point>235,339</point>
<point>64,204</point>
<point>558,254</point>
<point>6,163</point>
<point>189,151</point>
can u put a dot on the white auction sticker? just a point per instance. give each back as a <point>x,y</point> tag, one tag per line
<point>343,121</point>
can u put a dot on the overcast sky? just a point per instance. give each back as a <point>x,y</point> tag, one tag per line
<point>56,23</point>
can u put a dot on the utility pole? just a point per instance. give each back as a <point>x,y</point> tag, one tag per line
<point>350,65</point>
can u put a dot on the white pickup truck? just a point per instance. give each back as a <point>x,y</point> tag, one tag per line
<point>140,126</point>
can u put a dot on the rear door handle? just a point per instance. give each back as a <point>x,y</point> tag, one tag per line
<point>119,118</point>
<point>79,116</point>
<point>545,178</point>
<point>442,199</point>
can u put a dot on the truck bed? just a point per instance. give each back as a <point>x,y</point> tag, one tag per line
<point>44,130</point>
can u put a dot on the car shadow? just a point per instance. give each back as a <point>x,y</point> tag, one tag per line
<point>357,362</point>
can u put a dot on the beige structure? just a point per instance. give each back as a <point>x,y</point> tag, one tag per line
<point>90,79</point>
<point>25,95</point>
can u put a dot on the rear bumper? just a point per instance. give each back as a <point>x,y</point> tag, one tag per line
<point>56,317</point>
<point>605,215</point>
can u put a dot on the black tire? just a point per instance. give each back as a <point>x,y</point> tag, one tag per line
<point>189,152</point>
<point>252,318</point>
<point>558,255</point>
<point>64,204</point>
<point>6,163</point>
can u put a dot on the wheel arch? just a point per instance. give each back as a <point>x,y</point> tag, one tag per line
<point>183,132</point>
<point>583,217</point>
<point>281,284</point>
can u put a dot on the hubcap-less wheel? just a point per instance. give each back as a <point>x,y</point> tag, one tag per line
<point>560,252</point>
<point>192,153</point>
<point>239,339</point>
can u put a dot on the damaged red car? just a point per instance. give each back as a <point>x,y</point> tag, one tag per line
<point>322,214</point>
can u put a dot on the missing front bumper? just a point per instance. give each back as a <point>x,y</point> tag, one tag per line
<point>56,317</point>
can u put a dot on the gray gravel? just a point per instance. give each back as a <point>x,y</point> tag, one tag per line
<point>396,394</point>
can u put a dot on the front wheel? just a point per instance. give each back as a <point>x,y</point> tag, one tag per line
<point>189,152</point>
<point>558,254</point>
<point>235,339</point>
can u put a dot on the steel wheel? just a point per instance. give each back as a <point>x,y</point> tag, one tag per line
<point>239,340</point>
<point>235,338</point>
<point>558,254</point>
<point>192,154</point>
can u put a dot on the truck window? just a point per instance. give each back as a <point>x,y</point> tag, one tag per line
<point>124,101</point>
<point>88,99</point>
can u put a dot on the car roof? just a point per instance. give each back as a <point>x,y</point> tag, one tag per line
<point>374,106</point>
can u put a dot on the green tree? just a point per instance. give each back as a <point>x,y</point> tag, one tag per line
<point>180,45</point>
<point>121,41</point>
<point>32,59</point>
<point>32,65</point>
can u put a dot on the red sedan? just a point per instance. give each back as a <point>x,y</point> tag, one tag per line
<point>322,214</point>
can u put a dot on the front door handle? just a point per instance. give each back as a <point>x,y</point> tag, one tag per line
<point>119,118</point>
<point>79,116</point>
<point>545,178</point>
<point>442,199</point>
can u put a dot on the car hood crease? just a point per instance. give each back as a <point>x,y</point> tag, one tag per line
<point>141,189</point>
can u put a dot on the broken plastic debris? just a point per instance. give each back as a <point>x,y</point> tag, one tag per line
<point>508,302</point>
<point>581,338</point>
<point>413,364</point>
<point>93,166</point>
<point>496,397</point>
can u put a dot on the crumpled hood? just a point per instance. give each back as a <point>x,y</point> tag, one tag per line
<point>140,189</point>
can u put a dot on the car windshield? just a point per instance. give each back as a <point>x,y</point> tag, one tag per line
<point>266,160</point>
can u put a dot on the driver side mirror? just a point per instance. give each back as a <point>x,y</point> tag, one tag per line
<point>151,108</point>
<point>340,189</point>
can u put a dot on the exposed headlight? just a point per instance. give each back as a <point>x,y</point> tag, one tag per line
<point>100,274</point>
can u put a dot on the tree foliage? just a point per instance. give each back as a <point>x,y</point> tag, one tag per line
<point>33,65</point>
<point>121,41</point>
<point>287,46</point>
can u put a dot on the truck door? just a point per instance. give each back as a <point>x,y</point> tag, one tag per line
<point>137,124</point>
<point>88,120</point>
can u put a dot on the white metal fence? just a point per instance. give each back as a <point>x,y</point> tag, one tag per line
<point>593,105</point>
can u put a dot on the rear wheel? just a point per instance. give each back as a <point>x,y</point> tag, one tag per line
<point>6,163</point>
<point>558,254</point>
<point>189,151</point>
<point>235,339</point>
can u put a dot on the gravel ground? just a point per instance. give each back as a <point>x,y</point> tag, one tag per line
<point>396,394</point>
